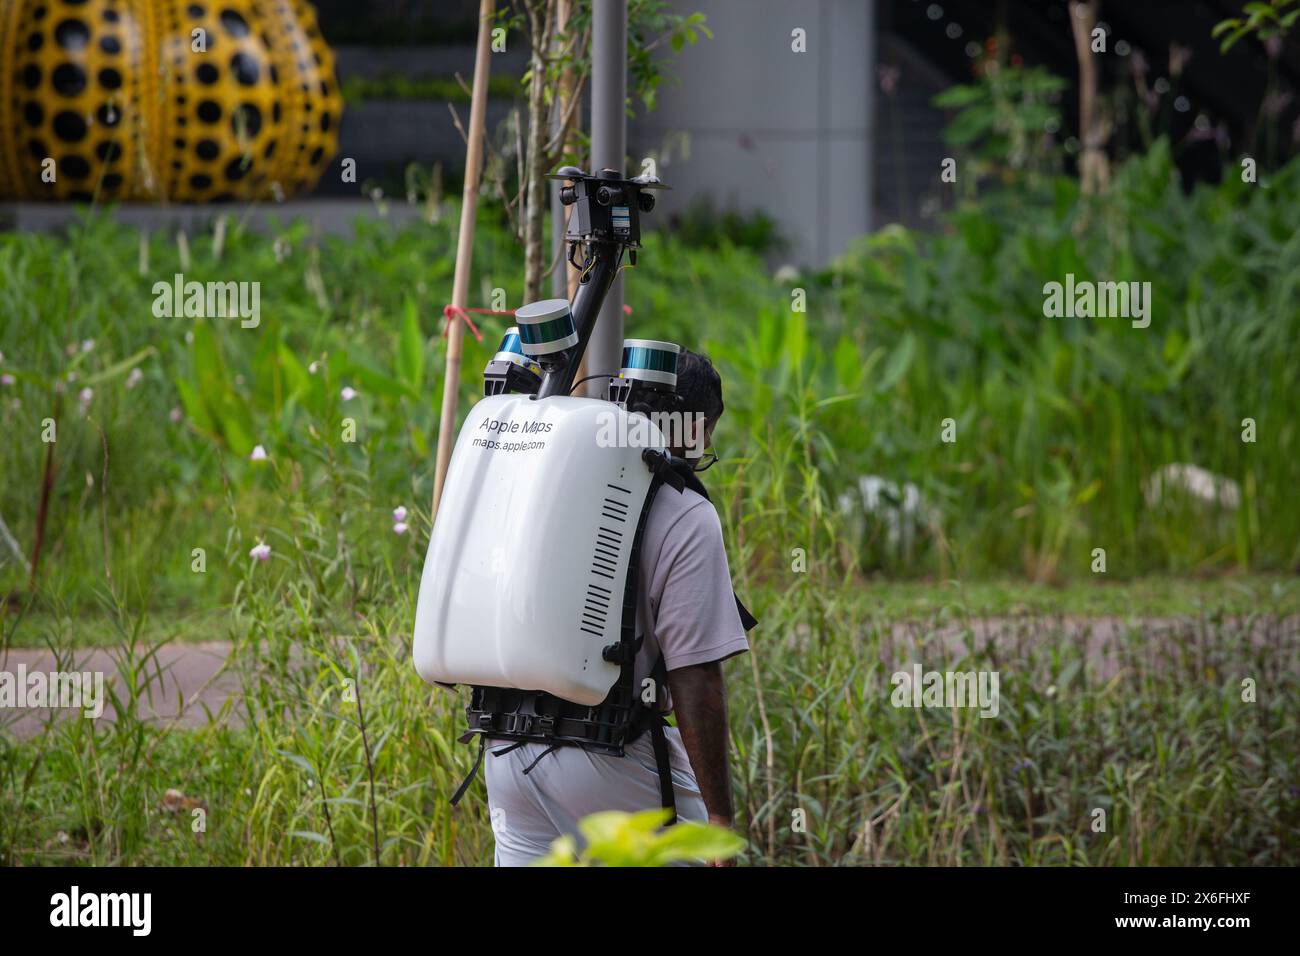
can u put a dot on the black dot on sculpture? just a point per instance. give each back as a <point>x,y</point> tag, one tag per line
<point>33,113</point>
<point>177,164</point>
<point>274,74</point>
<point>108,116</point>
<point>245,69</point>
<point>209,111</point>
<point>109,78</point>
<point>316,155</point>
<point>112,181</point>
<point>178,143</point>
<point>35,41</point>
<point>207,74</point>
<point>31,76</point>
<point>324,122</point>
<point>275,112</point>
<point>110,16</point>
<point>69,127</point>
<point>235,25</point>
<point>109,151</point>
<point>74,167</point>
<point>249,117</point>
<point>39,13</point>
<point>195,11</point>
<point>235,169</point>
<point>200,181</point>
<point>110,44</point>
<point>207,149</point>
<point>71,34</point>
<point>68,79</point>
<point>37,148</point>
<point>270,150</point>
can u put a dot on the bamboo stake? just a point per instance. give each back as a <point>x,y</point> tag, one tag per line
<point>464,246</point>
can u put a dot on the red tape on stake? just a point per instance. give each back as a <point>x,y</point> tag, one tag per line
<point>450,312</point>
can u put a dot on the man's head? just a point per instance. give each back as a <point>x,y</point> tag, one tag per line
<point>699,396</point>
<point>693,411</point>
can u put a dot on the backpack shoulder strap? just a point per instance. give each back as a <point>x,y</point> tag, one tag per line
<point>686,474</point>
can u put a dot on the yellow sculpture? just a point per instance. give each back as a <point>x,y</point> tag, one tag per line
<point>187,100</point>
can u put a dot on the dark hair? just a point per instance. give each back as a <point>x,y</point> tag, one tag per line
<point>699,391</point>
<point>699,386</point>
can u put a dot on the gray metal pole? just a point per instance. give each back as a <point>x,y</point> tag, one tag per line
<point>608,148</point>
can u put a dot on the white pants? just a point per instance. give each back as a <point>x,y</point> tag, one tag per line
<point>529,812</point>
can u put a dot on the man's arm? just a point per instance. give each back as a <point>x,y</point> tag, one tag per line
<point>700,702</point>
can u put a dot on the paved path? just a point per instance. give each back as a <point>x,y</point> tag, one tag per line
<point>188,678</point>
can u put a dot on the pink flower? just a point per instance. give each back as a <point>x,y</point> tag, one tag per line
<point>260,551</point>
<point>348,393</point>
<point>259,454</point>
<point>399,528</point>
<point>134,378</point>
<point>399,513</point>
<point>174,414</point>
<point>85,396</point>
<point>7,379</point>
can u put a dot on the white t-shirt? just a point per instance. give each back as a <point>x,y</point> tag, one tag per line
<point>686,607</point>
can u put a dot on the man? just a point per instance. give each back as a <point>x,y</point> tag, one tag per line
<point>687,611</point>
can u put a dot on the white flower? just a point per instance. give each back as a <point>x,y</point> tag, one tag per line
<point>174,414</point>
<point>259,454</point>
<point>348,393</point>
<point>312,367</point>
<point>399,528</point>
<point>7,379</point>
<point>399,514</point>
<point>85,395</point>
<point>134,378</point>
<point>260,551</point>
<point>87,344</point>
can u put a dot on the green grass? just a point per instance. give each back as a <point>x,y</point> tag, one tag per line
<point>1202,778</point>
<point>1154,597</point>
<point>1058,422</point>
